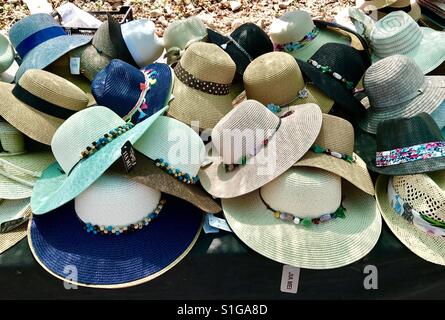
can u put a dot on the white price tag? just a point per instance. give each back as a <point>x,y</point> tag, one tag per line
<point>290,279</point>
<point>218,223</point>
<point>75,65</point>
<point>207,227</point>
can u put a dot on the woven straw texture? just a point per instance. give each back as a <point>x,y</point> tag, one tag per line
<point>91,60</point>
<point>182,33</point>
<point>11,209</point>
<point>276,78</point>
<point>6,53</point>
<point>11,190</point>
<point>333,244</point>
<point>294,25</point>
<point>398,33</point>
<point>337,135</point>
<point>428,247</point>
<point>49,87</point>
<point>54,188</point>
<point>114,261</point>
<point>415,12</point>
<point>102,41</point>
<point>12,141</point>
<point>289,143</point>
<point>372,4</point>
<point>147,173</point>
<point>190,104</point>
<point>390,83</point>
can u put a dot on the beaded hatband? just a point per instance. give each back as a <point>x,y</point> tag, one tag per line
<point>240,48</point>
<point>292,46</point>
<point>178,174</point>
<point>328,70</point>
<point>319,149</point>
<point>113,230</point>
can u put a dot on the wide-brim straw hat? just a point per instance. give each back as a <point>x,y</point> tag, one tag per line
<point>55,187</point>
<point>114,261</point>
<point>13,209</point>
<point>371,4</point>
<point>333,244</point>
<point>295,135</point>
<point>410,7</point>
<point>428,247</point>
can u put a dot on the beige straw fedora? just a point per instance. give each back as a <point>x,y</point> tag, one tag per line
<point>13,214</point>
<point>413,207</point>
<point>411,7</point>
<point>19,169</point>
<point>252,146</point>
<point>333,151</point>
<point>307,218</point>
<point>201,85</point>
<point>275,78</point>
<point>39,103</point>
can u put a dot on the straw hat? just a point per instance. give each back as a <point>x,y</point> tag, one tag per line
<point>408,146</point>
<point>13,215</point>
<point>244,44</point>
<point>396,87</point>
<point>91,60</point>
<point>135,41</point>
<point>295,33</point>
<point>132,93</point>
<point>254,146</point>
<point>113,244</point>
<point>398,33</point>
<point>275,78</point>
<point>413,208</point>
<point>300,219</point>
<point>201,95</point>
<point>102,41</point>
<point>337,69</point>
<point>180,34</point>
<point>40,40</point>
<point>85,146</point>
<point>333,151</point>
<point>6,53</point>
<point>19,169</point>
<point>411,7</point>
<point>373,4</point>
<point>39,103</point>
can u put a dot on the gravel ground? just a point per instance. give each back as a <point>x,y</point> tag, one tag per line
<point>221,15</point>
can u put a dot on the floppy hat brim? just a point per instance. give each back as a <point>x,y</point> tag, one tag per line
<point>333,88</point>
<point>55,188</point>
<point>13,190</point>
<point>333,244</point>
<point>428,247</point>
<point>10,209</point>
<point>429,54</point>
<point>114,261</point>
<point>49,51</point>
<point>356,172</point>
<point>428,101</point>
<point>290,144</point>
<point>190,104</point>
<point>147,173</point>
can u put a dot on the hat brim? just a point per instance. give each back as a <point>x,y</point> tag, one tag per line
<point>49,51</point>
<point>356,172</point>
<point>190,104</point>
<point>429,54</point>
<point>428,247</point>
<point>10,209</point>
<point>415,11</point>
<point>9,75</point>
<point>147,173</point>
<point>117,39</point>
<point>114,261</point>
<point>428,101</point>
<point>327,245</point>
<point>290,145</point>
<point>13,190</point>
<point>333,88</point>
<point>378,4</point>
<point>55,188</point>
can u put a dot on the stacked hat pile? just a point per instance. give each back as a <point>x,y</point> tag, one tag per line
<point>115,145</point>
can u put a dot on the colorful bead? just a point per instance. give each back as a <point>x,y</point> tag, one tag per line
<point>319,149</point>
<point>284,216</point>
<point>292,46</point>
<point>176,173</point>
<point>328,70</point>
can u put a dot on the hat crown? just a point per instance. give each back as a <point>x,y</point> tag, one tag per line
<point>292,26</point>
<point>79,131</point>
<point>243,130</point>
<point>304,192</point>
<point>336,134</point>
<point>396,33</point>
<point>200,57</point>
<point>102,40</point>
<point>114,200</point>
<point>392,80</point>
<point>423,194</point>
<point>253,39</point>
<point>6,53</point>
<point>277,70</point>
<point>182,33</point>
<point>12,141</point>
<point>405,132</point>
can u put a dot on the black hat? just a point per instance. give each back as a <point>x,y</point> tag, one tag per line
<point>336,69</point>
<point>246,43</point>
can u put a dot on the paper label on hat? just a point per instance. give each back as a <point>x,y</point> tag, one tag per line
<point>207,227</point>
<point>128,156</point>
<point>75,65</point>
<point>12,224</point>
<point>218,223</point>
<point>289,279</point>
<point>39,6</point>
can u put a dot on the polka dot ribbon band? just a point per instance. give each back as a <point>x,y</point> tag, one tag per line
<point>217,89</point>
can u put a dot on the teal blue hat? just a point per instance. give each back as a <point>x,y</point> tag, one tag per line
<point>85,146</point>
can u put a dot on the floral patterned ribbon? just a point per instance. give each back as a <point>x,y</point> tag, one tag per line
<point>405,210</point>
<point>293,46</point>
<point>409,154</point>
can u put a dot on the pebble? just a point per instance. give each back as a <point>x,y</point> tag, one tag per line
<point>235,5</point>
<point>155,13</point>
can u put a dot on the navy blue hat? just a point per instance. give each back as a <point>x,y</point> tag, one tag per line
<point>132,93</point>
